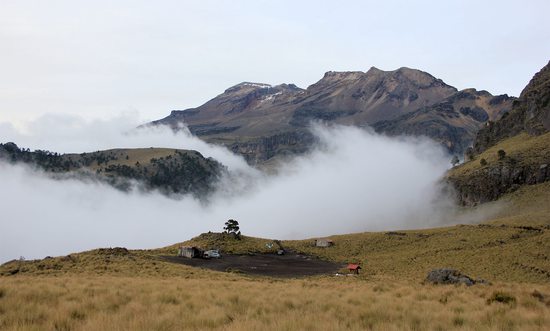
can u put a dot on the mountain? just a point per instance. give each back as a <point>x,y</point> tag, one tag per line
<point>511,152</point>
<point>260,121</point>
<point>170,171</point>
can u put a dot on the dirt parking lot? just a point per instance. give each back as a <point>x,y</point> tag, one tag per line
<point>288,265</point>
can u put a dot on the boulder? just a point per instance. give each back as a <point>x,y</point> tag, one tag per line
<point>451,276</point>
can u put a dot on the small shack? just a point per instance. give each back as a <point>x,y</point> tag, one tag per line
<point>354,268</point>
<point>323,242</point>
<point>189,251</point>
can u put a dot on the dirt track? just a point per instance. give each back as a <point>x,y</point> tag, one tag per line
<point>288,265</point>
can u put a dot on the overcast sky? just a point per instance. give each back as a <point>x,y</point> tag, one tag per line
<point>97,59</point>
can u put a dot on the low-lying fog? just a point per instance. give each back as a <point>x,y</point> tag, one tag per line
<point>353,181</point>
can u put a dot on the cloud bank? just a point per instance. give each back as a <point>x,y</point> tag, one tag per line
<point>353,181</point>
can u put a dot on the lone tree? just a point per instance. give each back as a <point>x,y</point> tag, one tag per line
<point>232,227</point>
<point>501,154</point>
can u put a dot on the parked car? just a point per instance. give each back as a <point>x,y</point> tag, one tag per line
<point>213,253</point>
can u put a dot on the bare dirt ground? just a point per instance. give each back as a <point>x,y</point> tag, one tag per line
<point>288,265</point>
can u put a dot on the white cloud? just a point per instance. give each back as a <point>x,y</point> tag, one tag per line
<point>354,181</point>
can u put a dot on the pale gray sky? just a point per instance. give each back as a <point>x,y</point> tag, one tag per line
<point>96,59</point>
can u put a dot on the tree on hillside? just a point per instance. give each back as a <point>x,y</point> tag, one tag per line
<point>501,154</point>
<point>469,154</point>
<point>232,227</point>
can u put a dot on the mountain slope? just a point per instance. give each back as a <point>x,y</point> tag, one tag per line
<point>168,170</point>
<point>260,121</point>
<point>511,152</point>
<point>453,122</point>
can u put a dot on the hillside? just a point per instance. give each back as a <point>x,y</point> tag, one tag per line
<point>510,246</point>
<point>261,121</point>
<point>511,152</point>
<point>167,170</point>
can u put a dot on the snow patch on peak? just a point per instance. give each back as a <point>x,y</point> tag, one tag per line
<point>247,85</point>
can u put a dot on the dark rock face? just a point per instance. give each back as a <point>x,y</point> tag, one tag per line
<point>451,276</point>
<point>264,148</point>
<point>530,113</point>
<point>490,183</point>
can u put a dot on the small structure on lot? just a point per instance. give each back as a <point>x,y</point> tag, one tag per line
<point>323,242</point>
<point>354,268</point>
<point>189,251</point>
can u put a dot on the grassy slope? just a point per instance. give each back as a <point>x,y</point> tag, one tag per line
<point>523,148</point>
<point>500,249</point>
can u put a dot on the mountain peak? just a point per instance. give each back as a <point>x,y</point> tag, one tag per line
<point>246,85</point>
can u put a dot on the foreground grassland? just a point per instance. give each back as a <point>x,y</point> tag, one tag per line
<point>233,302</point>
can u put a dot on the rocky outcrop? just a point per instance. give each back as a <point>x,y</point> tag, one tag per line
<point>451,276</point>
<point>259,150</point>
<point>530,113</point>
<point>491,182</point>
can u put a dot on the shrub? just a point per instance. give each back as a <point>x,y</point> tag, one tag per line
<point>501,154</point>
<point>501,297</point>
<point>483,162</point>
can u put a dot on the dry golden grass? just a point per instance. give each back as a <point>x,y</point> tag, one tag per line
<point>235,303</point>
